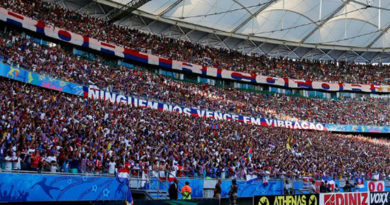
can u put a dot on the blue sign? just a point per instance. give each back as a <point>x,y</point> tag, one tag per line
<point>40,80</point>
<point>40,187</point>
<point>252,188</point>
<point>357,128</point>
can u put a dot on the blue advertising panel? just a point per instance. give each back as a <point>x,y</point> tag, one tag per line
<point>357,128</point>
<point>40,187</point>
<point>40,80</point>
<point>252,188</point>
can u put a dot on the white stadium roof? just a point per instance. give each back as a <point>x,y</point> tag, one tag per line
<point>357,30</point>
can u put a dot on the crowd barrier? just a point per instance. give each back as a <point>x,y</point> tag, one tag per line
<point>347,198</point>
<point>41,187</point>
<point>355,198</point>
<point>223,201</point>
<point>44,187</point>
<point>68,203</point>
<point>181,202</point>
<point>111,49</point>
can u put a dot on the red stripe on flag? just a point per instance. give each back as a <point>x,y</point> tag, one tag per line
<point>164,60</point>
<point>86,39</point>
<point>15,15</point>
<point>254,76</point>
<point>130,51</point>
<point>40,24</point>
<point>135,53</point>
<point>107,45</point>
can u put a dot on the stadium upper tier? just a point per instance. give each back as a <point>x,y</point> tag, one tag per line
<point>21,50</point>
<point>199,54</point>
<point>47,130</point>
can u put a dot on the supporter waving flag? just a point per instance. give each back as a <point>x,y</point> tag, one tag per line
<point>123,177</point>
<point>250,154</point>
<point>307,180</point>
<point>215,126</point>
<point>359,182</point>
<point>375,176</point>
<point>330,181</point>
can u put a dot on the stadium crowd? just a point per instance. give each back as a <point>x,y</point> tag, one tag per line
<point>53,14</point>
<point>21,50</point>
<point>50,131</point>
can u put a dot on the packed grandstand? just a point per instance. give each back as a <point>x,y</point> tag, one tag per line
<point>44,129</point>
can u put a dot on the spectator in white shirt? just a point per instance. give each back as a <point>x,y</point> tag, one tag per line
<point>111,166</point>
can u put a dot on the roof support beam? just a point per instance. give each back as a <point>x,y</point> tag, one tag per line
<point>169,8</point>
<point>84,6</point>
<point>305,54</point>
<point>343,55</point>
<point>126,9</point>
<point>257,47</point>
<point>101,8</point>
<point>166,29</point>
<point>293,52</point>
<point>184,33</point>
<point>379,36</point>
<point>187,34</point>
<point>235,46</point>
<point>325,20</point>
<point>239,3</point>
<point>253,16</point>
<point>202,37</point>
<point>327,54</point>
<point>222,41</point>
<point>360,55</point>
<point>376,56</point>
<point>114,5</point>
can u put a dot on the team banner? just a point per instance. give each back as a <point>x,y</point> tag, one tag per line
<point>379,198</point>
<point>108,48</point>
<point>301,199</point>
<point>95,93</point>
<point>348,198</point>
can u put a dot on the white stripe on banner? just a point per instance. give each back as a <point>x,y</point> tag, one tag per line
<point>96,93</point>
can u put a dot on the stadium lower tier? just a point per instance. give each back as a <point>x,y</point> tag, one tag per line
<point>19,49</point>
<point>48,130</point>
